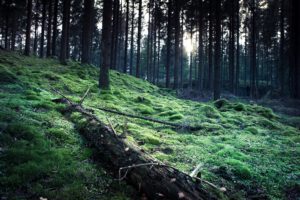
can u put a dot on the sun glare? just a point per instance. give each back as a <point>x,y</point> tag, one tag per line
<point>188,44</point>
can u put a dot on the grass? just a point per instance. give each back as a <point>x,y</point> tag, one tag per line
<point>243,147</point>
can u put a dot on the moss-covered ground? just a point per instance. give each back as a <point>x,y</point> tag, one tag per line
<point>243,147</point>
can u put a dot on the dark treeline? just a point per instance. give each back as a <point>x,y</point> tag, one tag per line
<point>245,47</point>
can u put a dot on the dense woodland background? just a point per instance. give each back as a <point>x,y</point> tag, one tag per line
<point>246,47</point>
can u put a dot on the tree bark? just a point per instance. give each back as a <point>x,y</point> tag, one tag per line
<point>132,39</point>
<point>43,29</point>
<point>64,34</point>
<point>87,31</point>
<point>237,70</point>
<point>55,32</point>
<point>149,176</point>
<point>177,35</point>
<point>200,47</point>
<point>210,47</point>
<point>231,46</point>
<point>217,74</point>
<point>253,87</point>
<point>126,38</point>
<point>169,35</point>
<point>49,31</point>
<point>106,45</point>
<point>28,27</point>
<point>139,40</point>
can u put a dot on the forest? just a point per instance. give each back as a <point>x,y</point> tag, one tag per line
<point>149,99</point>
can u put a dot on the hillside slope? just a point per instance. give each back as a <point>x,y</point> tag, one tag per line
<point>245,148</point>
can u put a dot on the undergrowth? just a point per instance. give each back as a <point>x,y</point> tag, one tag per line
<point>243,147</point>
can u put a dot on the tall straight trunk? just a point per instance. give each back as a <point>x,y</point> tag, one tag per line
<point>6,43</point>
<point>28,27</point>
<point>36,25</point>
<point>237,70</point>
<point>115,33</point>
<point>181,50</point>
<point>139,40</point>
<point>132,39</point>
<point>55,32</point>
<point>158,57</point>
<point>253,89</point>
<point>294,71</point>
<point>281,50</point>
<point>120,38</point>
<point>49,31</point>
<point>169,35</point>
<point>148,40</point>
<point>217,88</point>
<point>64,34</point>
<point>13,30</point>
<point>42,41</point>
<point>191,62</point>
<point>105,45</point>
<point>154,50</point>
<point>210,47</point>
<point>297,49</point>
<point>87,31</point>
<point>126,37</point>
<point>177,35</point>
<point>231,46</point>
<point>200,46</point>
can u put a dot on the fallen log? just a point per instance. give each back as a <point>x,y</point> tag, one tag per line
<point>176,125</point>
<point>149,176</point>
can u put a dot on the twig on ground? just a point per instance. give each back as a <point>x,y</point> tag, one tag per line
<point>84,96</point>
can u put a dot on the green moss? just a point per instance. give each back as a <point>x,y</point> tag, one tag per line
<point>7,76</point>
<point>59,135</point>
<point>145,110</point>
<point>252,130</point>
<point>168,113</point>
<point>210,111</point>
<point>239,168</point>
<point>144,100</point>
<point>176,117</point>
<point>221,103</point>
<point>48,142</point>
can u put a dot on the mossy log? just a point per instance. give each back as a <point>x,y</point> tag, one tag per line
<point>150,177</point>
<point>176,125</point>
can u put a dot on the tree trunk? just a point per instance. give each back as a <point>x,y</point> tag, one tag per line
<point>87,31</point>
<point>169,32</point>
<point>231,46</point>
<point>149,176</point>
<point>210,47</point>
<point>55,32</point>
<point>253,52</point>
<point>139,40</point>
<point>64,34</point>
<point>217,88</point>
<point>114,34</point>
<point>49,28</point>
<point>132,39</point>
<point>36,25</point>
<point>105,45</point>
<point>191,62</point>
<point>28,27</point>
<point>237,70</point>
<point>200,47</point>
<point>177,35</point>
<point>126,38</point>
<point>43,29</point>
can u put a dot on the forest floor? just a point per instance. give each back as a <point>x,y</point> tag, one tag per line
<point>247,148</point>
